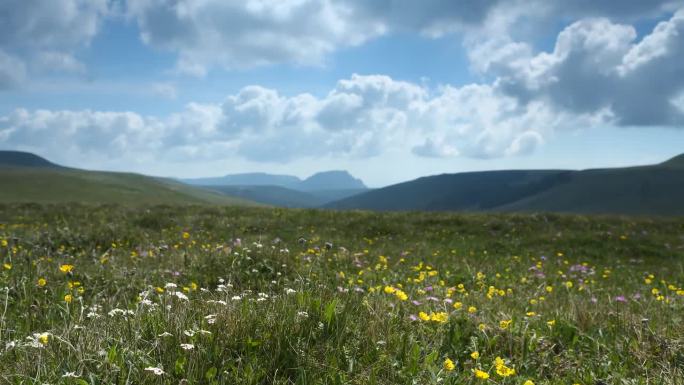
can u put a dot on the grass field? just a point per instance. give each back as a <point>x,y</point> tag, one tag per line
<point>222,295</point>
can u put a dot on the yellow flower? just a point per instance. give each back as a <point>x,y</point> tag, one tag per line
<point>458,305</point>
<point>472,309</point>
<point>66,268</point>
<point>401,295</point>
<point>159,289</point>
<point>528,382</point>
<point>3,243</point>
<point>504,324</point>
<point>68,298</point>
<point>481,375</point>
<point>482,327</point>
<point>389,290</point>
<point>549,289</point>
<point>531,314</point>
<point>43,338</point>
<point>423,315</point>
<point>568,284</point>
<point>7,266</point>
<point>186,235</point>
<point>441,317</point>
<point>42,282</point>
<point>475,355</point>
<point>449,365</point>
<point>551,322</point>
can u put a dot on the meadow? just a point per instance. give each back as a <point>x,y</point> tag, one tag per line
<point>226,295</point>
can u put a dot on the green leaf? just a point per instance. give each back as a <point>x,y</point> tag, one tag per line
<point>211,373</point>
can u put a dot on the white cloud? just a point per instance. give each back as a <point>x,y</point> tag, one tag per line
<point>46,33</point>
<point>12,71</point>
<point>599,68</point>
<point>242,34</point>
<point>363,116</point>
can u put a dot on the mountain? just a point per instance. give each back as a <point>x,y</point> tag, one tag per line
<point>24,159</point>
<point>247,179</point>
<point>285,190</point>
<point>29,178</point>
<point>645,190</point>
<point>331,180</point>
<point>328,180</point>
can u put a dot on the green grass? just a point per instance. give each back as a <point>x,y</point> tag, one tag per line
<point>61,185</point>
<point>271,309</point>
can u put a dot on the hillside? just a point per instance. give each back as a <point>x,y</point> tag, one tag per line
<point>646,190</point>
<point>34,179</point>
<point>24,159</point>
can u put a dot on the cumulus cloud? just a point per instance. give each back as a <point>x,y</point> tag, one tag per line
<point>229,34</point>
<point>242,34</point>
<point>46,33</point>
<point>599,67</point>
<point>361,117</point>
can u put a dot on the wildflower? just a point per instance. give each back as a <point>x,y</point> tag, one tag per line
<point>42,282</point>
<point>3,243</point>
<point>68,298</point>
<point>528,382</point>
<point>482,327</point>
<point>401,295</point>
<point>568,284</point>
<point>181,295</point>
<point>440,317</point>
<point>7,266</point>
<point>156,371</point>
<point>530,314</point>
<point>159,290</point>
<point>458,305</point>
<point>551,322</point>
<point>389,290</point>
<point>187,346</point>
<point>501,368</point>
<point>43,338</point>
<point>66,268</point>
<point>549,289</point>
<point>479,374</point>
<point>504,324</point>
<point>186,235</point>
<point>475,355</point>
<point>472,309</point>
<point>449,364</point>
<point>423,316</point>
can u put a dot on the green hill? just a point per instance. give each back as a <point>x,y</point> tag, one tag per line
<point>646,190</point>
<point>28,178</point>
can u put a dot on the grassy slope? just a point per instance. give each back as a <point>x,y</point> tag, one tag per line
<point>44,185</point>
<point>648,190</point>
<point>639,190</point>
<point>465,191</point>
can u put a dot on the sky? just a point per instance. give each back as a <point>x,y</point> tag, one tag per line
<point>389,90</point>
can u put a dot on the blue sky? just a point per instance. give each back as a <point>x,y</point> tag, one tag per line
<point>389,90</point>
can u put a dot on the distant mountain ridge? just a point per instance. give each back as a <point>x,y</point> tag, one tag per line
<point>326,180</point>
<point>644,190</point>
